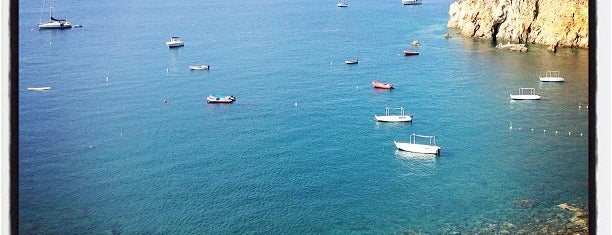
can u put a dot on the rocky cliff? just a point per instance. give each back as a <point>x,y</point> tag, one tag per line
<point>563,23</point>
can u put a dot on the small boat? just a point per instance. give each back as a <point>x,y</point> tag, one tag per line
<point>552,76</point>
<point>199,67</point>
<point>382,85</point>
<point>45,88</point>
<point>415,147</point>
<point>219,98</point>
<point>54,23</point>
<point>342,4</point>
<point>175,42</point>
<point>351,61</point>
<point>525,94</point>
<point>393,118</point>
<point>410,52</point>
<point>411,2</point>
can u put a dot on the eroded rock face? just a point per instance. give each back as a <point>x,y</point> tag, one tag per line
<point>547,22</point>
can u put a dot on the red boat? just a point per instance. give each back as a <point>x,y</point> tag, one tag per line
<point>382,85</point>
<point>410,52</point>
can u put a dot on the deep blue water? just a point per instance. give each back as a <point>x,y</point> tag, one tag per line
<point>299,152</point>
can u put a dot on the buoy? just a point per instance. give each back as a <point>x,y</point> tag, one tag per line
<point>531,129</point>
<point>580,134</point>
<point>520,128</point>
<point>579,107</point>
<point>121,133</point>
<point>544,131</point>
<point>510,125</point>
<point>556,132</point>
<point>295,104</point>
<point>569,133</point>
<point>107,78</point>
<point>167,70</point>
<point>165,101</point>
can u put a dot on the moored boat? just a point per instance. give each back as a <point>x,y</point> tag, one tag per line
<point>552,76</point>
<point>411,2</point>
<point>45,88</point>
<point>220,98</point>
<point>382,85</point>
<point>54,23</point>
<point>413,146</point>
<point>393,118</point>
<point>342,4</point>
<point>199,67</point>
<point>175,42</point>
<point>525,94</point>
<point>351,61</point>
<point>410,52</point>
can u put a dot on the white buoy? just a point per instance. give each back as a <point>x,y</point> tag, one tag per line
<point>579,107</point>
<point>531,129</point>
<point>167,70</point>
<point>295,104</point>
<point>569,133</point>
<point>107,78</point>
<point>580,134</point>
<point>544,131</point>
<point>556,132</point>
<point>510,125</point>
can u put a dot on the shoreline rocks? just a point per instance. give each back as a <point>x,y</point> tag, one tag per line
<point>547,22</point>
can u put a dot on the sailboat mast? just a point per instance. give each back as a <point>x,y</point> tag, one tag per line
<point>50,9</point>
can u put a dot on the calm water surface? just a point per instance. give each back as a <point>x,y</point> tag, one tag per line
<point>299,152</point>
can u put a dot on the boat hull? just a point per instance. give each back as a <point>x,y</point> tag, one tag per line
<point>342,5</point>
<point>417,148</point>
<point>171,45</point>
<point>382,85</point>
<point>199,67</point>
<point>39,88</point>
<point>55,25</point>
<point>552,79</point>
<point>411,2</point>
<point>393,118</point>
<point>525,97</point>
<point>225,100</point>
<point>410,53</point>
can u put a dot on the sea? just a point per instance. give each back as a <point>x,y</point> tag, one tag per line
<point>125,142</point>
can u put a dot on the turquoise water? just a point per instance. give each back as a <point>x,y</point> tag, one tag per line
<point>299,152</point>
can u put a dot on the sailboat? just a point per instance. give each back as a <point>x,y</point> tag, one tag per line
<point>54,23</point>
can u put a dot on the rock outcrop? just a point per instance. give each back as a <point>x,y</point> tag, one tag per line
<point>548,22</point>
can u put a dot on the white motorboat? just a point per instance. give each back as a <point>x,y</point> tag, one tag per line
<point>199,67</point>
<point>415,147</point>
<point>342,4</point>
<point>175,42</point>
<point>525,94</point>
<point>552,76</point>
<point>411,2</point>
<point>351,61</point>
<point>54,23</point>
<point>45,88</point>
<point>394,118</point>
